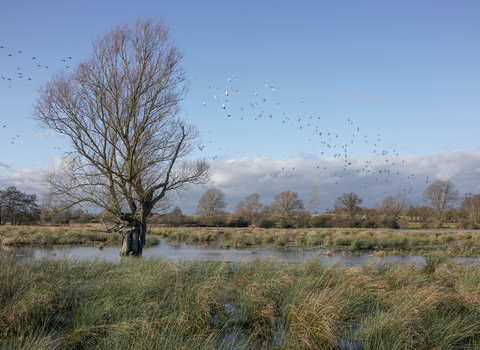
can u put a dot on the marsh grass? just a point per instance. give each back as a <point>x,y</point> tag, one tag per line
<point>389,242</point>
<point>463,244</point>
<point>50,235</point>
<point>156,303</point>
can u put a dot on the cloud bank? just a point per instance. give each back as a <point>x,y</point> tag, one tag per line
<point>372,178</point>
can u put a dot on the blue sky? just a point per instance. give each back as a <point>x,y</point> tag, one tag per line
<point>407,70</point>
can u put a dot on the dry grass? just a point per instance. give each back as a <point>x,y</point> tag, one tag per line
<point>386,241</point>
<point>51,235</point>
<point>155,303</point>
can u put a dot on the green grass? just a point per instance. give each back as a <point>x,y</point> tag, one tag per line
<point>156,303</point>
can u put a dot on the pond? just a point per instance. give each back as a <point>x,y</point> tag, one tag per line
<point>185,251</point>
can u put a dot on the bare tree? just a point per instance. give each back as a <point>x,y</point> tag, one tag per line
<point>250,207</point>
<point>470,206</point>
<point>17,207</point>
<point>211,203</point>
<point>348,202</point>
<point>439,195</point>
<point>175,217</point>
<point>313,200</point>
<point>391,207</point>
<point>120,108</point>
<point>287,205</point>
<point>45,208</point>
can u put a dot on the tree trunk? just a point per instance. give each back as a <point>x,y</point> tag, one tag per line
<point>133,240</point>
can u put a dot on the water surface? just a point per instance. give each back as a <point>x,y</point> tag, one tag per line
<point>185,251</point>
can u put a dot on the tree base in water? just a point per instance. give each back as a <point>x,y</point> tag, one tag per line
<point>133,242</point>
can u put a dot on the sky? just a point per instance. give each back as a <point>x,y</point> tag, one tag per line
<point>371,97</point>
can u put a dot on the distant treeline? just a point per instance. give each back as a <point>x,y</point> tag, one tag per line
<point>414,216</point>
<point>21,208</point>
<point>442,207</point>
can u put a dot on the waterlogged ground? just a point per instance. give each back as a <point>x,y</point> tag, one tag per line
<point>344,247</point>
<point>186,251</point>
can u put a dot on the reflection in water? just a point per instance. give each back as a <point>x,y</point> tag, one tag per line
<point>19,253</point>
<point>184,251</point>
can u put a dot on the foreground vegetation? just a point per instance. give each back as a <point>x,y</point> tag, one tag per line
<point>158,304</point>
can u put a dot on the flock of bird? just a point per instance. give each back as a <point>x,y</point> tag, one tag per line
<point>252,106</point>
<point>14,74</point>
<point>10,76</point>
<point>334,147</point>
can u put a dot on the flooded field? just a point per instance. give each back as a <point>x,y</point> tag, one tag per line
<point>186,251</point>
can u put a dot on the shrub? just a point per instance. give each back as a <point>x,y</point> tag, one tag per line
<point>238,221</point>
<point>346,222</point>
<point>389,223</point>
<point>216,220</point>
<point>369,223</point>
<point>321,221</point>
<point>285,224</point>
<point>266,223</point>
<point>303,220</point>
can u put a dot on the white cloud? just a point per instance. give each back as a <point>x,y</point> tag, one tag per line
<point>372,178</point>
<point>25,179</point>
<point>46,133</point>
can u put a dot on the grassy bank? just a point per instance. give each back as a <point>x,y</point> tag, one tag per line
<point>388,242</point>
<point>158,304</point>
<point>51,235</point>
